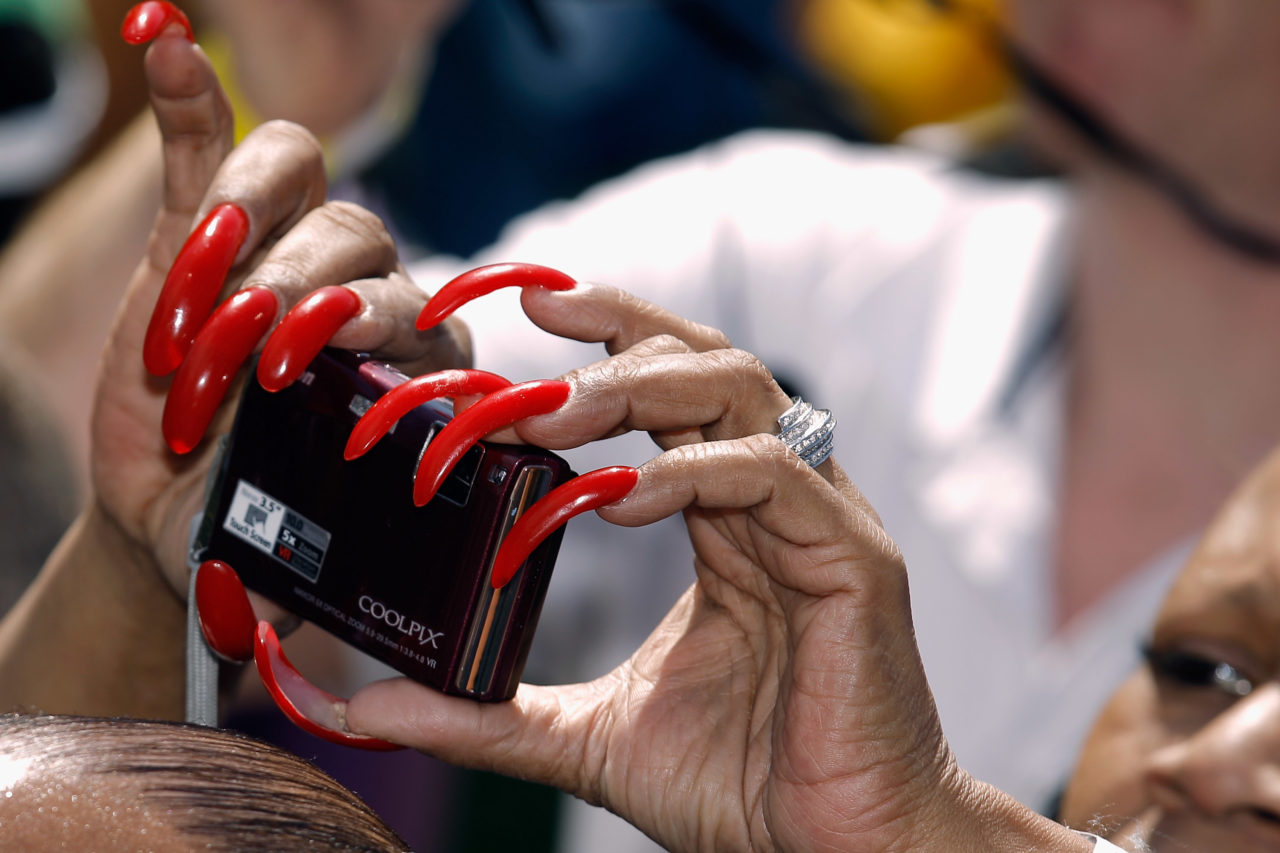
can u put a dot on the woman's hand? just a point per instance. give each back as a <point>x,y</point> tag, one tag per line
<point>782,703</point>
<point>109,600</point>
<point>285,243</point>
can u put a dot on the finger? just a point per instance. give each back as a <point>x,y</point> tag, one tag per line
<point>226,617</point>
<point>597,313</point>
<point>758,473</point>
<point>192,112</point>
<point>216,356</point>
<point>577,310</point>
<point>483,280</point>
<point>263,187</point>
<point>340,269</point>
<point>191,288</point>
<point>324,248</point>
<point>303,332</point>
<point>384,326</point>
<point>552,511</point>
<point>677,396</point>
<point>399,401</point>
<point>229,614</point>
<point>536,735</point>
<point>309,707</point>
<point>492,412</point>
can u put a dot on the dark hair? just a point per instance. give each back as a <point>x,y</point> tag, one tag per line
<point>224,791</point>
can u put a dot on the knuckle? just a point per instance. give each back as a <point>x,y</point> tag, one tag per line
<point>293,136</point>
<point>365,225</point>
<point>281,273</point>
<point>618,372</point>
<point>667,343</point>
<point>630,310</point>
<point>770,451</point>
<point>715,338</point>
<point>753,374</point>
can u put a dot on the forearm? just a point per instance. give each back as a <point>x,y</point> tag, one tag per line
<point>63,274</point>
<point>99,631</point>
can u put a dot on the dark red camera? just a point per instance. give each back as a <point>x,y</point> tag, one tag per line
<point>341,544</point>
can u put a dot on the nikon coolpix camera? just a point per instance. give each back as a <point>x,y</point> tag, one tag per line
<point>341,544</point>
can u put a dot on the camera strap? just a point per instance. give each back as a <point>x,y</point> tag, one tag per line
<point>202,664</point>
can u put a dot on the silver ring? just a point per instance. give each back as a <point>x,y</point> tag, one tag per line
<point>809,432</point>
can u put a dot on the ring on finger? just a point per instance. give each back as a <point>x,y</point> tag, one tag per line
<point>808,432</point>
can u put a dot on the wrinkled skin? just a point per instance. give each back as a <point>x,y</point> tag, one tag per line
<point>149,492</point>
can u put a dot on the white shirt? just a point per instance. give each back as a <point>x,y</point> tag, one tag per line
<point>913,300</point>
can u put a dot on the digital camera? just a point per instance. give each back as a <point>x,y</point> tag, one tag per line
<point>341,544</point>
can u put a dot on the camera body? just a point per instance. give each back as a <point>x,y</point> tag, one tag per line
<point>341,544</point>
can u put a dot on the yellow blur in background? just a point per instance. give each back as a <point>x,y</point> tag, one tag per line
<point>907,63</point>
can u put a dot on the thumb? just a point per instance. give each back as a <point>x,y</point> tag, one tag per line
<point>196,128</point>
<point>541,734</point>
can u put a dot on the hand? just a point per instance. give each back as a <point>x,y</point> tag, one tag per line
<point>109,598</point>
<point>285,243</point>
<point>782,703</point>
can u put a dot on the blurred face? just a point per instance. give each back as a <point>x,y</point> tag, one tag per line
<point>1195,82</point>
<point>322,63</point>
<point>1186,756</point>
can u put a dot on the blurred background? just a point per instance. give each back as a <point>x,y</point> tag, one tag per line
<point>530,100</point>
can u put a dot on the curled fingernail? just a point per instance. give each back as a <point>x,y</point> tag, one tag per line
<point>399,401</point>
<point>302,333</point>
<point>216,355</point>
<point>493,412</point>
<point>147,20</point>
<point>310,708</point>
<point>191,288</point>
<point>477,282</point>
<point>226,617</point>
<point>581,494</point>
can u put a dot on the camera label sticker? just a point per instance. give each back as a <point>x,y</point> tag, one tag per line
<point>275,529</point>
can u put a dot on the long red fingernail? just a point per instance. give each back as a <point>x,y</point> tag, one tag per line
<point>581,494</point>
<point>399,401</point>
<point>487,279</point>
<point>192,286</point>
<point>311,709</point>
<point>226,617</point>
<point>147,20</point>
<point>493,412</point>
<point>303,333</point>
<point>217,353</point>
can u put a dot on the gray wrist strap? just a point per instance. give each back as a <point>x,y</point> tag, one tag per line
<point>202,664</point>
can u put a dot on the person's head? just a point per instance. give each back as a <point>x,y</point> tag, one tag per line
<point>1186,756</point>
<point>1193,82</point>
<point>83,783</point>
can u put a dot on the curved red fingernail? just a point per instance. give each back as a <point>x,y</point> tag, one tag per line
<point>581,494</point>
<point>310,708</point>
<point>399,401</point>
<point>217,353</point>
<point>226,617</point>
<point>487,279</point>
<point>302,333</point>
<point>493,412</point>
<point>147,20</point>
<point>192,286</point>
